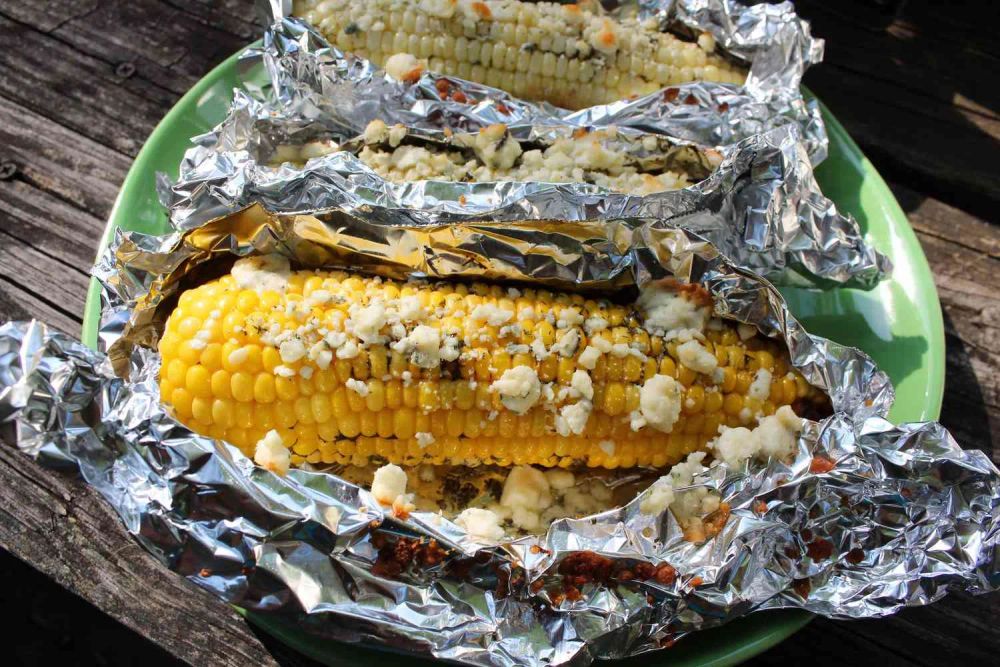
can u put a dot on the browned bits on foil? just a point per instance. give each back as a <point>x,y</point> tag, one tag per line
<point>503,108</point>
<point>760,507</point>
<point>821,464</point>
<point>665,574</point>
<point>443,87</point>
<point>395,556</point>
<point>806,535</point>
<point>716,520</point>
<point>585,567</point>
<point>855,556</point>
<point>537,585</point>
<point>697,581</point>
<point>580,133</point>
<point>724,107</point>
<point>582,567</point>
<point>690,100</point>
<point>819,549</point>
<point>670,94</point>
<point>205,572</point>
<point>802,586</point>
<point>793,552</point>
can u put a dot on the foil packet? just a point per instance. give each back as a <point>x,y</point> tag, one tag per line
<point>894,516</point>
<point>761,206</point>
<point>307,73</point>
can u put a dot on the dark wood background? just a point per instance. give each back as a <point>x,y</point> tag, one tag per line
<point>82,84</point>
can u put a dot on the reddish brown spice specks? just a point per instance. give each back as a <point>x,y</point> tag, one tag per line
<point>821,464</point>
<point>643,570</point>
<point>395,556</point>
<point>665,574</point>
<point>855,556</point>
<point>580,132</point>
<point>573,593</point>
<point>586,566</point>
<point>443,87</point>
<point>760,507</point>
<point>819,549</point>
<point>204,572</point>
<point>503,108</point>
<point>460,97</point>
<point>697,581</point>
<point>724,107</point>
<point>690,100</point>
<point>670,94</point>
<point>537,585</point>
<point>802,586</point>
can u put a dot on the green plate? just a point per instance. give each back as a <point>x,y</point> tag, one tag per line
<point>898,323</point>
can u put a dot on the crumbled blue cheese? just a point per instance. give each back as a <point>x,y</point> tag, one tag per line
<point>262,273</point>
<point>566,345</point>
<point>666,313</point>
<point>482,525</point>
<point>776,435</point>
<point>291,350</point>
<point>519,388</point>
<point>760,388</point>
<point>588,358</point>
<point>526,494</point>
<point>659,404</point>
<point>389,484</point>
<point>360,387</point>
<point>492,314</point>
<point>271,453</point>
<point>581,384</point>
<point>572,419</point>
<point>404,67</point>
<point>693,355</point>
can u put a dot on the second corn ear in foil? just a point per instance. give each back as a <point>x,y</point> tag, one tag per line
<point>861,498</point>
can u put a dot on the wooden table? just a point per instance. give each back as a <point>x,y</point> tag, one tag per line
<point>83,82</point>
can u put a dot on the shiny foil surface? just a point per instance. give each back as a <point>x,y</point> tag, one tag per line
<point>900,515</point>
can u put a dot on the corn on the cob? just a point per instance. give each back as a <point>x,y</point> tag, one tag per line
<point>600,157</point>
<point>568,55</point>
<point>352,369</point>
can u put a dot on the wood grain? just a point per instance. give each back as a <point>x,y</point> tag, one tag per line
<point>83,83</point>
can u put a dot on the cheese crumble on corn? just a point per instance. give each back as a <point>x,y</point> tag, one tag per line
<point>598,157</point>
<point>571,55</point>
<point>342,368</point>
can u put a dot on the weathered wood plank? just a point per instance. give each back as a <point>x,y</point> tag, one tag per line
<point>964,254</point>
<point>78,91</point>
<point>175,50</point>
<point>60,161</point>
<point>51,225</point>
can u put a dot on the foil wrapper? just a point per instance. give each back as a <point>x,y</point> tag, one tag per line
<point>770,38</point>
<point>897,517</point>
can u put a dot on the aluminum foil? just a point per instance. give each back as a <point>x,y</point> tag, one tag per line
<point>306,72</point>
<point>762,206</point>
<point>902,515</point>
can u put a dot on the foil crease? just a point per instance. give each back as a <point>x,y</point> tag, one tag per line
<point>761,206</point>
<point>903,516</point>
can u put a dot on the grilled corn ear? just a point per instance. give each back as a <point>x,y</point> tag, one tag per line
<point>569,55</point>
<point>352,369</point>
<point>599,157</point>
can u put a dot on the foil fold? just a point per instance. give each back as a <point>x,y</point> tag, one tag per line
<point>902,515</point>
